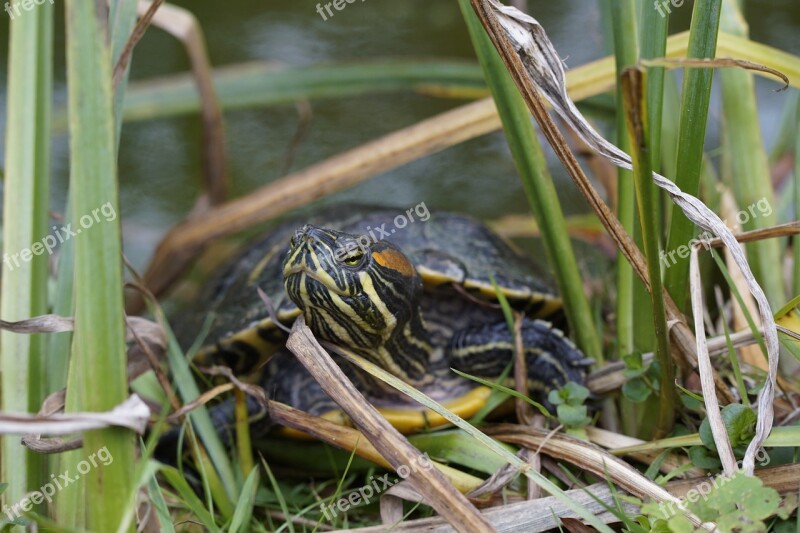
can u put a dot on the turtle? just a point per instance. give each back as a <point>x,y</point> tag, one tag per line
<point>415,295</point>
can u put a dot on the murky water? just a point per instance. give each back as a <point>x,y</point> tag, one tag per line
<point>160,163</point>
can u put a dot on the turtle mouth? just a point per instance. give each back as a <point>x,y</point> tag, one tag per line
<point>300,270</point>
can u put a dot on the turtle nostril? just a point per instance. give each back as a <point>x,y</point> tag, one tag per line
<point>298,238</point>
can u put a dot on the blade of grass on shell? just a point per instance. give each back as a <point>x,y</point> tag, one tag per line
<point>538,185</point>
<point>25,210</point>
<point>496,398</point>
<point>696,95</point>
<point>750,176</point>
<point>99,338</point>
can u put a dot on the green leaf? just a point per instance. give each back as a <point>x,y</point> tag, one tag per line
<point>554,397</point>
<point>576,393</point>
<point>692,403</point>
<point>739,422</point>
<point>634,365</point>
<point>636,390</point>
<point>680,524</point>
<point>701,457</point>
<point>573,416</point>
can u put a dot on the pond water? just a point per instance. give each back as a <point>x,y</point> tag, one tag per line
<point>160,162</point>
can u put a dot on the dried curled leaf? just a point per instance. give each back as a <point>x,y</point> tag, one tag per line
<point>133,414</point>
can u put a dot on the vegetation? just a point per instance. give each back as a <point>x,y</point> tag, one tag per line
<point>656,418</point>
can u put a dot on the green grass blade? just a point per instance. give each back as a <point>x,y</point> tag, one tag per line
<point>734,359</point>
<point>750,176</point>
<point>26,203</point>
<point>506,390</point>
<point>279,494</point>
<point>189,498</point>
<point>457,447</point>
<point>780,436</point>
<point>201,421</point>
<point>694,113</point>
<point>738,296</point>
<point>646,199</point>
<point>796,241</point>
<point>157,498</point>
<point>622,14</point>
<point>653,44</point>
<point>68,509</point>
<point>122,19</point>
<point>99,338</point>
<point>257,85</point>
<point>244,509</point>
<point>538,185</point>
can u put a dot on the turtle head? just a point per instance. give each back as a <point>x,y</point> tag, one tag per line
<point>352,291</point>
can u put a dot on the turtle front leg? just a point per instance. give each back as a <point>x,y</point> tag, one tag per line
<point>552,359</point>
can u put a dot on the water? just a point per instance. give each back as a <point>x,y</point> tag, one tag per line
<point>160,161</point>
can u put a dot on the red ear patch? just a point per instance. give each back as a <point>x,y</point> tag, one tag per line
<point>393,259</point>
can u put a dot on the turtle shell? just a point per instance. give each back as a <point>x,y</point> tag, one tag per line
<point>451,252</point>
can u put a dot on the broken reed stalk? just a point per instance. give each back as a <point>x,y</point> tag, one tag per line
<point>431,483</point>
<point>682,336</point>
